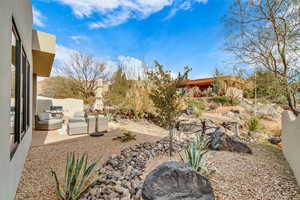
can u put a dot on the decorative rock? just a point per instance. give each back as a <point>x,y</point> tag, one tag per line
<point>176,181</point>
<point>189,110</point>
<point>121,175</point>
<point>222,142</point>
<point>275,140</point>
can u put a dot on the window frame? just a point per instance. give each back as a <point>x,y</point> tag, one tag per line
<point>16,109</point>
<point>22,93</point>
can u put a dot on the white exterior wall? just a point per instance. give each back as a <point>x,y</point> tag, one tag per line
<point>291,141</point>
<point>10,170</point>
<point>70,106</point>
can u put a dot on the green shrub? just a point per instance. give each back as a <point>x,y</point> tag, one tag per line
<point>226,101</point>
<point>197,105</point>
<point>254,124</point>
<point>77,177</point>
<point>194,155</point>
<point>197,113</point>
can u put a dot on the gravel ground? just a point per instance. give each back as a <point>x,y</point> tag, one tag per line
<point>265,175</point>
<point>37,183</point>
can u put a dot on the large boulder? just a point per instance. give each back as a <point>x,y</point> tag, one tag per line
<point>269,111</point>
<point>176,181</point>
<point>235,93</point>
<point>220,141</point>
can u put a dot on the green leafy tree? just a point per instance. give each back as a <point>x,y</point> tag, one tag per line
<point>166,97</point>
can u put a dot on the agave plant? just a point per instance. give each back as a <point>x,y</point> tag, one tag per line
<point>77,177</point>
<point>194,155</point>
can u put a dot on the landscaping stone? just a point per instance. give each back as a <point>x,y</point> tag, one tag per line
<point>220,141</point>
<point>219,138</point>
<point>121,175</point>
<point>269,111</point>
<point>275,140</point>
<point>176,181</point>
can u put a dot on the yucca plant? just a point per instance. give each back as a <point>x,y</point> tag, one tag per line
<point>254,124</point>
<point>194,155</point>
<point>77,177</point>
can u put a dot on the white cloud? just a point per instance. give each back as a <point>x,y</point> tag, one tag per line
<point>116,12</point>
<point>114,19</point>
<point>37,17</point>
<point>182,5</point>
<point>63,54</point>
<point>133,67</point>
<point>78,38</point>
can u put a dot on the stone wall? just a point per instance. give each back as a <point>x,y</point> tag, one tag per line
<point>291,141</point>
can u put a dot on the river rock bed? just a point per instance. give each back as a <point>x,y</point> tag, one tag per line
<point>121,176</point>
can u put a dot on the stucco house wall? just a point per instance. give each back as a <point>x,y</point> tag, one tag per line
<point>10,170</point>
<point>291,141</point>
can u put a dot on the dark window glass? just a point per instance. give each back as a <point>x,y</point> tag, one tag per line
<point>20,92</point>
<point>15,68</point>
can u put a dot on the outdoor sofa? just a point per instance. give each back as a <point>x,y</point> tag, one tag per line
<point>44,121</point>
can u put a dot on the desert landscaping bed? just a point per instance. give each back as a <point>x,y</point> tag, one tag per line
<point>37,183</point>
<point>264,175</point>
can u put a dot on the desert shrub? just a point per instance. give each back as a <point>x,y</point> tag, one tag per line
<point>130,96</point>
<point>118,89</point>
<point>194,155</point>
<point>193,92</point>
<point>197,104</point>
<point>254,124</point>
<point>137,98</point>
<point>226,101</point>
<point>126,137</point>
<point>197,113</point>
<point>208,92</point>
<point>77,177</point>
<point>198,107</point>
<point>213,106</point>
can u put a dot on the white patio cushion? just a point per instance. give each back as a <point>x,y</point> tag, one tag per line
<point>79,114</point>
<point>44,116</point>
<point>51,121</point>
<point>74,120</point>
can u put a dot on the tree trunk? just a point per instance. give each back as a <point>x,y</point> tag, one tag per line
<point>171,142</point>
<point>291,104</point>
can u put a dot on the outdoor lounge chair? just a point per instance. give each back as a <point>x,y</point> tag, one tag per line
<point>44,121</point>
<point>81,124</point>
<point>102,124</point>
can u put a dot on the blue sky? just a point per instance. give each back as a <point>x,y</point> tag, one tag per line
<point>174,32</point>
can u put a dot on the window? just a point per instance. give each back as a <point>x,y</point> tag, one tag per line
<point>13,92</point>
<point>20,92</point>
